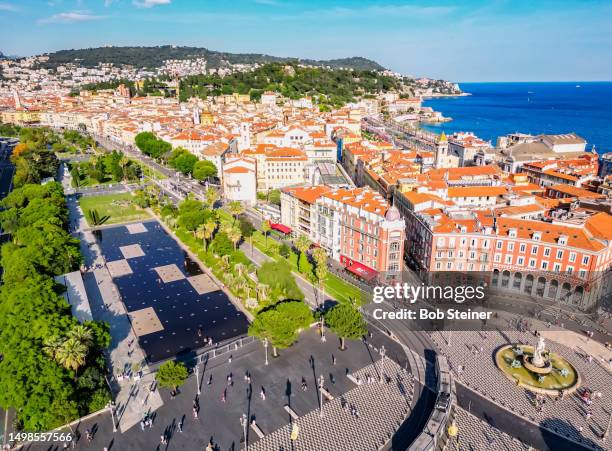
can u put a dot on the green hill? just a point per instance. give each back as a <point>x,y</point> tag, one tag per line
<point>328,87</point>
<point>150,57</point>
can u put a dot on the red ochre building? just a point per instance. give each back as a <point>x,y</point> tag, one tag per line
<point>357,227</point>
<point>565,259</point>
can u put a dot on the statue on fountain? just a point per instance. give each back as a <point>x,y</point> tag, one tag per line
<point>538,358</point>
<point>537,363</point>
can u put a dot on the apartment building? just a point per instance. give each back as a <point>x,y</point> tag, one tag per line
<point>357,227</point>
<point>565,258</point>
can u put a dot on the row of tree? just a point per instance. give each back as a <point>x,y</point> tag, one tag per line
<point>187,163</point>
<point>152,146</point>
<point>52,368</point>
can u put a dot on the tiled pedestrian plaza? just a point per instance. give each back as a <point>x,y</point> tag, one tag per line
<point>167,295</point>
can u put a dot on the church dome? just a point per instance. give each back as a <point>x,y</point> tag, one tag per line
<point>392,214</point>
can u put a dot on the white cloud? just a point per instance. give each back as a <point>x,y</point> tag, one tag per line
<point>8,7</point>
<point>150,3</point>
<point>71,17</point>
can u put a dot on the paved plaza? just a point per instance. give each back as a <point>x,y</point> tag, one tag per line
<point>380,408</point>
<point>475,434</point>
<point>471,356</point>
<point>176,306</point>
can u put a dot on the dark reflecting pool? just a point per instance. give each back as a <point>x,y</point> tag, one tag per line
<point>180,309</point>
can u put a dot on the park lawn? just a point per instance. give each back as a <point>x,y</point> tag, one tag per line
<point>343,291</point>
<point>115,206</point>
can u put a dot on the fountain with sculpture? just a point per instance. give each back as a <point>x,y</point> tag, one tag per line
<point>537,369</point>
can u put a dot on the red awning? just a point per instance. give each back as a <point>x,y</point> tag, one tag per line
<point>362,271</point>
<point>280,227</point>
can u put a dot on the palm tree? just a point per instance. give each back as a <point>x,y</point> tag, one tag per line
<point>71,355</point>
<point>240,269</point>
<point>224,263</point>
<point>123,163</point>
<point>212,196</point>
<point>52,345</point>
<point>234,234</point>
<point>235,208</point>
<point>209,229</point>
<point>263,291</point>
<point>82,334</point>
<point>265,229</point>
<point>320,257</point>
<point>302,244</point>
<point>200,234</point>
<point>172,222</point>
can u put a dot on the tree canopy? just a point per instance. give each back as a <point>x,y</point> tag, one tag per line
<point>346,322</point>
<point>150,145</point>
<point>52,367</point>
<point>328,87</point>
<point>204,169</point>
<point>171,374</point>
<point>281,322</point>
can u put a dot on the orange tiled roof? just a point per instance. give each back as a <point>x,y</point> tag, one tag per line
<point>550,233</point>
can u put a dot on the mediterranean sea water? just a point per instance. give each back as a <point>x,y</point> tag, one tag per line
<point>496,109</point>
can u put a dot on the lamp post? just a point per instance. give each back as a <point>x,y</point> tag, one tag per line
<point>321,382</point>
<point>243,423</point>
<point>197,374</point>
<point>383,352</point>
<point>265,343</point>
<point>111,406</point>
<point>323,339</point>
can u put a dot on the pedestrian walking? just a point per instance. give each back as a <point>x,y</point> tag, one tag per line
<point>333,359</point>
<point>210,380</point>
<point>142,425</point>
<point>262,394</point>
<point>223,395</point>
<point>195,412</point>
<point>180,426</point>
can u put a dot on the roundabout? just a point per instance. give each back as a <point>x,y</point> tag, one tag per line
<point>537,369</point>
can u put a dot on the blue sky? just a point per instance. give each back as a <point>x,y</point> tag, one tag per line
<point>469,40</point>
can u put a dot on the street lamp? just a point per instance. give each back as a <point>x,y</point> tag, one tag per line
<point>111,406</point>
<point>321,382</point>
<point>323,339</point>
<point>197,374</point>
<point>265,343</point>
<point>243,423</point>
<point>383,351</point>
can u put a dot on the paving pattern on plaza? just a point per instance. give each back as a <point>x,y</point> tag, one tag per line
<point>478,435</point>
<point>119,268</point>
<point>131,251</point>
<point>158,280</point>
<point>136,228</point>
<point>381,407</point>
<point>145,321</point>
<point>568,416</point>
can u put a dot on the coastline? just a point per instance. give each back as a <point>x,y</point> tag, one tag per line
<point>439,95</point>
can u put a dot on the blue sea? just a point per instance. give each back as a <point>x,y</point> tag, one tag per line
<point>496,109</point>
